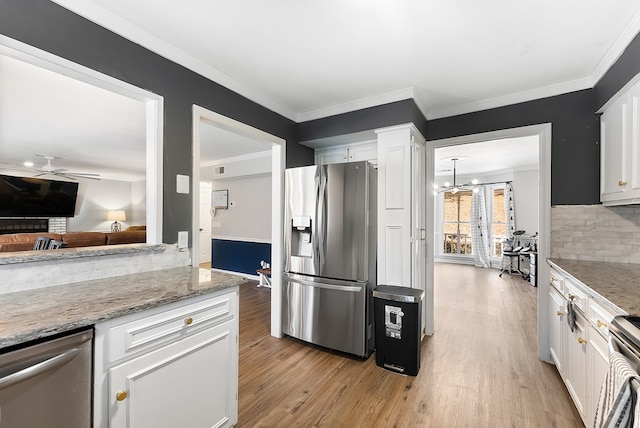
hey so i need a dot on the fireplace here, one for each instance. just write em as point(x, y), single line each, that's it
point(9, 225)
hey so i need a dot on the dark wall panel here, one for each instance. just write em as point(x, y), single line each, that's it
point(575, 153)
point(239, 256)
point(47, 26)
point(366, 119)
point(623, 70)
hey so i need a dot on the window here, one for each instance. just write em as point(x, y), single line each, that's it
point(457, 223)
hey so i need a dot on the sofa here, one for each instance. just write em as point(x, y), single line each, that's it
point(26, 241)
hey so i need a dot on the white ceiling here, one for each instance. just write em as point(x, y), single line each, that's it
point(310, 59)
point(93, 130)
point(477, 159)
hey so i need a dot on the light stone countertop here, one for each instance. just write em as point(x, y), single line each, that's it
point(34, 314)
point(619, 283)
point(10, 258)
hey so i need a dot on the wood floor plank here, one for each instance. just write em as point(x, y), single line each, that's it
point(479, 369)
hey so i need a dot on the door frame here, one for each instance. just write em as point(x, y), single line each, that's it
point(543, 132)
point(278, 151)
point(208, 187)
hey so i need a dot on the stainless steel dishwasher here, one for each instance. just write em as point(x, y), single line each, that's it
point(47, 385)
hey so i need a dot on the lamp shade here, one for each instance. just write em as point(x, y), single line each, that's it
point(116, 215)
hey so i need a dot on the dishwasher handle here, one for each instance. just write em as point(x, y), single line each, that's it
point(41, 367)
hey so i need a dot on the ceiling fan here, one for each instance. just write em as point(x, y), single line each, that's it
point(49, 169)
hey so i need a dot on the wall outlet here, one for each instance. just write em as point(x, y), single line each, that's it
point(183, 239)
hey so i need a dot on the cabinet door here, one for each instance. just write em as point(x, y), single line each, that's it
point(613, 146)
point(331, 155)
point(394, 207)
point(190, 383)
point(633, 155)
point(557, 325)
point(597, 367)
point(363, 152)
point(576, 363)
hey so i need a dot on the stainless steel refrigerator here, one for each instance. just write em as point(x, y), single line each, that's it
point(330, 255)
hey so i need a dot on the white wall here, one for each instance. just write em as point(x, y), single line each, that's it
point(96, 197)
point(250, 217)
point(138, 204)
point(239, 166)
point(525, 191)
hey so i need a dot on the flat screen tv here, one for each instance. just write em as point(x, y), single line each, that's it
point(36, 197)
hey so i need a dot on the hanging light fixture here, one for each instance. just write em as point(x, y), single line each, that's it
point(455, 187)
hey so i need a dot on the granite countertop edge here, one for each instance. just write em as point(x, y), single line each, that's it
point(17, 257)
point(36, 314)
point(613, 285)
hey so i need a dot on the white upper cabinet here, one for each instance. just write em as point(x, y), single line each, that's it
point(355, 152)
point(620, 150)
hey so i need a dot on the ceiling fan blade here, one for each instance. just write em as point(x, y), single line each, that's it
point(73, 176)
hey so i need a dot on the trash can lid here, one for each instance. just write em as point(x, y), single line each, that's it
point(398, 294)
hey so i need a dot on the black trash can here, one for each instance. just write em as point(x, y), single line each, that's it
point(398, 325)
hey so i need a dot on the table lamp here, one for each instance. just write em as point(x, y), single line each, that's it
point(116, 216)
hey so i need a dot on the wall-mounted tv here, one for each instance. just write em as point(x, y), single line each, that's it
point(36, 197)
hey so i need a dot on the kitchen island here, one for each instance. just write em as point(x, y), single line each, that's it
point(154, 332)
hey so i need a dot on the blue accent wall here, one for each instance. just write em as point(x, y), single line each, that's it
point(239, 256)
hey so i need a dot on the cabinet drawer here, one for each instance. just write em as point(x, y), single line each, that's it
point(600, 318)
point(152, 331)
point(580, 298)
point(557, 281)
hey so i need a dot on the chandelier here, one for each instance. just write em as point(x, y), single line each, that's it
point(455, 187)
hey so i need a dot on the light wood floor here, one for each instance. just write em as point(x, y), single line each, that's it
point(479, 369)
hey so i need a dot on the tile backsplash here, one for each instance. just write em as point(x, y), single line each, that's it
point(596, 233)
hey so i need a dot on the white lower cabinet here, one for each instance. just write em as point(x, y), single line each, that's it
point(575, 368)
point(169, 367)
point(597, 366)
point(582, 355)
point(557, 325)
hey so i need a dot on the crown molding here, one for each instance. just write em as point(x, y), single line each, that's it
point(519, 97)
point(128, 30)
point(362, 103)
point(629, 32)
point(241, 158)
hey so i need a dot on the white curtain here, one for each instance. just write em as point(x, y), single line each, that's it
point(479, 229)
point(509, 210)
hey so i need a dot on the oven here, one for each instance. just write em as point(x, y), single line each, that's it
point(618, 400)
point(624, 338)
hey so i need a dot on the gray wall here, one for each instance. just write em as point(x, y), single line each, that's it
point(625, 68)
point(575, 132)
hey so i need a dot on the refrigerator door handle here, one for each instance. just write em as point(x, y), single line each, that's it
point(331, 284)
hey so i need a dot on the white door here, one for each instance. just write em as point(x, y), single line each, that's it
point(205, 223)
